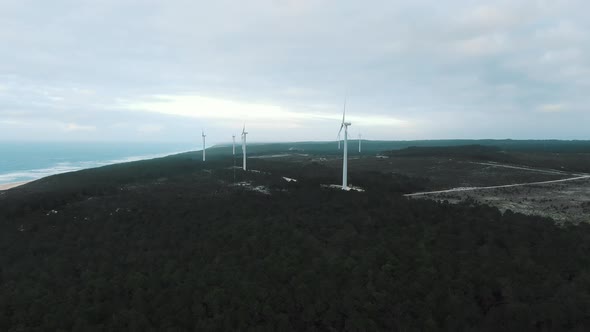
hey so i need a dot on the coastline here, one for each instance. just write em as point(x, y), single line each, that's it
point(11, 178)
point(7, 186)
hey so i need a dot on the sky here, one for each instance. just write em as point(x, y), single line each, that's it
point(145, 70)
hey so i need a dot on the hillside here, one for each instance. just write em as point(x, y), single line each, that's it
point(179, 244)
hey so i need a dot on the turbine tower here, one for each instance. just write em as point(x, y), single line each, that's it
point(203, 134)
point(360, 143)
point(244, 133)
point(344, 125)
point(233, 137)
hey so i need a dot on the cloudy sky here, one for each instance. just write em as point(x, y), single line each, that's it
point(135, 70)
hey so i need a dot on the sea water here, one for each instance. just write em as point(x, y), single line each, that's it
point(27, 161)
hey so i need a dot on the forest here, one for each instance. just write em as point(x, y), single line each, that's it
point(174, 244)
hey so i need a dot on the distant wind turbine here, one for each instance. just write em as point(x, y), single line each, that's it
point(233, 137)
point(360, 143)
point(203, 134)
point(344, 125)
point(244, 133)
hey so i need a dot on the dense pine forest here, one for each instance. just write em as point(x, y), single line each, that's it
point(175, 244)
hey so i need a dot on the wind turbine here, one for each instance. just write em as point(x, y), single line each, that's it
point(344, 125)
point(233, 137)
point(203, 134)
point(244, 133)
point(360, 143)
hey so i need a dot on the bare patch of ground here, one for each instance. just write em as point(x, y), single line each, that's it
point(250, 186)
point(7, 186)
point(562, 201)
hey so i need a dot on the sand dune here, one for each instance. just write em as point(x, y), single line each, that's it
point(7, 186)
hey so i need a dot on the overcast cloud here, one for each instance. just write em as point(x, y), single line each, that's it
point(162, 70)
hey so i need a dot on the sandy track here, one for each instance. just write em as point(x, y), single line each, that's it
point(497, 187)
point(547, 171)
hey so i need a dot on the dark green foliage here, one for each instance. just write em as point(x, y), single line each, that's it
point(171, 245)
point(573, 157)
point(476, 152)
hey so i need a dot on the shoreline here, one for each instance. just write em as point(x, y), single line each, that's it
point(7, 186)
point(41, 173)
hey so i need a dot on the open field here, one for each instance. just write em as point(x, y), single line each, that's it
point(557, 187)
point(562, 201)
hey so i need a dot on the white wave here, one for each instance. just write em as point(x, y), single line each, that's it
point(66, 166)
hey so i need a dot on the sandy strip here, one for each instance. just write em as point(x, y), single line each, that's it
point(497, 187)
point(7, 186)
point(548, 171)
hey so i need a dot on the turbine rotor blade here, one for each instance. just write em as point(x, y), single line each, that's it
point(344, 111)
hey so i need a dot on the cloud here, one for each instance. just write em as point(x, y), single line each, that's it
point(12, 122)
point(483, 45)
point(561, 56)
point(200, 107)
point(78, 127)
point(419, 69)
point(149, 129)
point(487, 17)
point(206, 107)
point(553, 108)
point(560, 33)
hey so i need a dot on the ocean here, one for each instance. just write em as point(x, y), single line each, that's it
point(26, 161)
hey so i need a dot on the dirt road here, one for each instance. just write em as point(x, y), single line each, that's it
point(497, 187)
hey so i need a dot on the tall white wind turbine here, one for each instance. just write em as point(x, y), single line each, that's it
point(344, 125)
point(244, 133)
point(203, 134)
point(233, 137)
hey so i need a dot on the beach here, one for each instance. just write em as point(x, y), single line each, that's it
point(7, 186)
